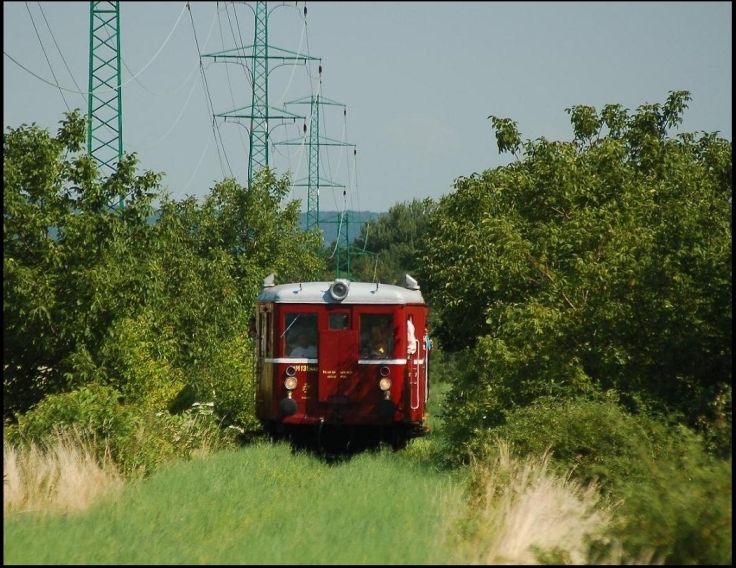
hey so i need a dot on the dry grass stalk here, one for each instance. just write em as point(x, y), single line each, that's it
point(63, 477)
point(522, 506)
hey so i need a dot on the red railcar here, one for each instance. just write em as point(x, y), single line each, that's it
point(347, 354)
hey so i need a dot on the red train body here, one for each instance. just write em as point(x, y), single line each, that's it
point(342, 354)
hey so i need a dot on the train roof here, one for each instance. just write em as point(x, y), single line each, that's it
point(357, 293)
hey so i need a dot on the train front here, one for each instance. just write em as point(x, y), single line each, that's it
point(342, 353)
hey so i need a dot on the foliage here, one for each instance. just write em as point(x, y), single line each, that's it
point(393, 238)
point(595, 264)
point(152, 304)
point(95, 410)
point(681, 507)
point(64, 248)
point(137, 441)
point(602, 441)
point(671, 498)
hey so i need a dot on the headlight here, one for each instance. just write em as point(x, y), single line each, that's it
point(290, 371)
point(384, 384)
point(384, 371)
point(290, 383)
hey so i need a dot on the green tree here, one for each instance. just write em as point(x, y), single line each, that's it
point(599, 263)
point(152, 303)
point(393, 238)
point(67, 261)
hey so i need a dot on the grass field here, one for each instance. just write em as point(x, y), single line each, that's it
point(257, 505)
point(269, 504)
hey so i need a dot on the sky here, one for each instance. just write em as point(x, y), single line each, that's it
point(418, 81)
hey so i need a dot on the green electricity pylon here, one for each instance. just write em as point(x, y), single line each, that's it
point(105, 107)
point(345, 252)
point(314, 180)
point(259, 112)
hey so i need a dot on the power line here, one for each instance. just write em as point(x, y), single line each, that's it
point(160, 49)
point(46, 56)
point(56, 84)
point(242, 43)
point(188, 76)
point(176, 121)
point(59, 49)
point(211, 107)
point(53, 84)
point(227, 73)
point(199, 163)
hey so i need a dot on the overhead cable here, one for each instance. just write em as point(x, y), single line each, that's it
point(56, 84)
point(40, 7)
point(46, 56)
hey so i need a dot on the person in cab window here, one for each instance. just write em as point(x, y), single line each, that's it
point(304, 347)
point(380, 343)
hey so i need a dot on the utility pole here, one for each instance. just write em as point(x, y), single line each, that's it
point(260, 53)
point(105, 107)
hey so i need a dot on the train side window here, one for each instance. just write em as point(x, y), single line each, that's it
point(339, 320)
point(376, 336)
point(300, 334)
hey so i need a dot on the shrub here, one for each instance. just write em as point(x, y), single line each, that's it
point(226, 377)
point(598, 437)
point(604, 262)
point(137, 361)
point(681, 505)
point(674, 498)
point(137, 440)
point(93, 409)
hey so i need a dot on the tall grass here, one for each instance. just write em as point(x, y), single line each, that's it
point(62, 476)
point(260, 504)
point(263, 504)
point(521, 509)
point(521, 512)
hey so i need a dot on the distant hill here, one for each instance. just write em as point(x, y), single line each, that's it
point(330, 221)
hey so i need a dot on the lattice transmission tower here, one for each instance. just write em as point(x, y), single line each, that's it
point(259, 113)
point(105, 105)
point(315, 180)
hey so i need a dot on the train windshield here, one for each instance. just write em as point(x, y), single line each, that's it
point(300, 335)
point(376, 336)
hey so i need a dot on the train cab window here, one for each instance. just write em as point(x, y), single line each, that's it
point(339, 320)
point(300, 335)
point(376, 336)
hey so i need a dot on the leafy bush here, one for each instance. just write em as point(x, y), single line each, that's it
point(138, 441)
point(162, 438)
point(674, 498)
point(93, 410)
point(602, 441)
point(137, 362)
point(593, 264)
point(226, 377)
point(681, 507)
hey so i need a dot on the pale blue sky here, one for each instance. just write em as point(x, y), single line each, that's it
point(418, 80)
